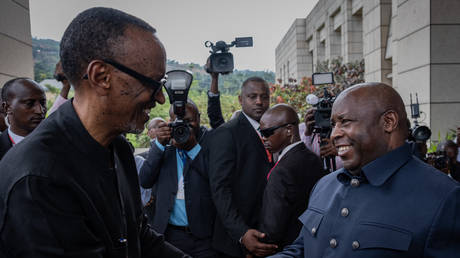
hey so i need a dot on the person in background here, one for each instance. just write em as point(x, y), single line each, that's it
point(24, 102)
point(74, 191)
point(152, 128)
point(238, 168)
point(453, 166)
point(64, 93)
point(292, 178)
point(180, 170)
point(312, 141)
point(384, 202)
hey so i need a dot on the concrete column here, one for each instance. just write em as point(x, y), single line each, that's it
point(376, 18)
point(15, 40)
point(352, 33)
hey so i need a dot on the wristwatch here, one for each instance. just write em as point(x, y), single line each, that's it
point(211, 95)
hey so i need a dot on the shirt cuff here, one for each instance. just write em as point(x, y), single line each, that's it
point(159, 145)
point(194, 151)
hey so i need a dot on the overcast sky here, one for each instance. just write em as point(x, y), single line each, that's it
point(184, 25)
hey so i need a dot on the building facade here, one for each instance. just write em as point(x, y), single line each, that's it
point(16, 58)
point(409, 44)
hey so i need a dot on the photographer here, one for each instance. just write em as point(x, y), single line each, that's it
point(180, 170)
point(453, 166)
point(313, 141)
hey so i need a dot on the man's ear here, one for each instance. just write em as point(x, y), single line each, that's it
point(99, 75)
point(239, 99)
point(390, 121)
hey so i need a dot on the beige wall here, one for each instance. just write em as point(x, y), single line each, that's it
point(412, 45)
point(15, 40)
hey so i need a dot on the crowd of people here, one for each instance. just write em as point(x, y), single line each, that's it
point(256, 185)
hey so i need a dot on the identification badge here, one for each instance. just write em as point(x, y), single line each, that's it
point(180, 190)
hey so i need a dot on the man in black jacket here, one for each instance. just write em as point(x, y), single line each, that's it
point(71, 188)
point(24, 102)
point(290, 180)
point(180, 170)
point(238, 167)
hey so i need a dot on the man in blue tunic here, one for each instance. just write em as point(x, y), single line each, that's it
point(384, 202)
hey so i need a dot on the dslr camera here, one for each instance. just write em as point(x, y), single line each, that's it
point(177, 86)
point(221, 61)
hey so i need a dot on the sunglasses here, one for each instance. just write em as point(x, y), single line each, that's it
point(149, 82)
point(267, 132)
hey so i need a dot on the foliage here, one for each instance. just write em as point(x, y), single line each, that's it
point(435, 145)
point(46, 55)
point(294, 93)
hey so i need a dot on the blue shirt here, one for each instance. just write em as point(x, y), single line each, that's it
point(399, 207)
point(179, 214)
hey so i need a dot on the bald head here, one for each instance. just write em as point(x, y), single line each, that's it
point(369, 121)
point(282, 114)
point(279, 127)
point(380, 97)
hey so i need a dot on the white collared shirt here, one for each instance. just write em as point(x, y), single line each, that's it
point(289, 147)
point(16, 138)
point(253, 122)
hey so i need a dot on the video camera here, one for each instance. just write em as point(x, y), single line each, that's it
point(177, 86)
point(323, 105)
point(221, 61)
point(418, 133)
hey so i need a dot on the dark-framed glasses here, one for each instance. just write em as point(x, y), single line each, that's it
point(267, 132)
point(151, 83)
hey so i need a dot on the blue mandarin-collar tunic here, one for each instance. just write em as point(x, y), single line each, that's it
point(398, 207)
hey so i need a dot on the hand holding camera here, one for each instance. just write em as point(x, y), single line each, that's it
point(163, 133)
point(309, 119)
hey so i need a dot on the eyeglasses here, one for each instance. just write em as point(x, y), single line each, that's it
point(151, 83)
point(267, 132)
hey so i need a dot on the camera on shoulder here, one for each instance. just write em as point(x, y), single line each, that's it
point(177, 86)
point(221, 60)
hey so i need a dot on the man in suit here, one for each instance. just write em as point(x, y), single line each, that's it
point(291, 179)
point(184, 211)
point(238, 165)
point(71, 189)
point(384, 202)
point(24, 102)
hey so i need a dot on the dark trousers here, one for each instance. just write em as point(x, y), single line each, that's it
point(188, 243)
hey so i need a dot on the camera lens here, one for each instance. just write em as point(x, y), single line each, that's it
point(181, 133)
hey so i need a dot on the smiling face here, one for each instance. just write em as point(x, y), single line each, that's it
point(358, 132)
point(131, 99)
point(26, 108)
point(255, 99)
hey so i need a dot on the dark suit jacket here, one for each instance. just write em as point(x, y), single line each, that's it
point(62, 199)
point(5, 143)
point(286, 194)
point(238, 168)
point(160, 169)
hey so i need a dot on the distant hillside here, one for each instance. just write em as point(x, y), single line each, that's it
point(46, 55)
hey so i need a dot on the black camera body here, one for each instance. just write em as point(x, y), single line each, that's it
point(418, 133)
point(221, 61)
point(177, 86)
point(323, 115)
